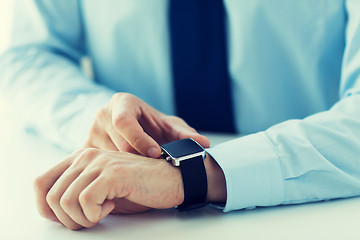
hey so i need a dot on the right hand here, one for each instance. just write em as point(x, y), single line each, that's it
point(128, 124)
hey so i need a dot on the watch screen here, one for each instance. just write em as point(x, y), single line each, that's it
point(182, 148)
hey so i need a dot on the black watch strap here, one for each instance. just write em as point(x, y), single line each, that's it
point(195, 183)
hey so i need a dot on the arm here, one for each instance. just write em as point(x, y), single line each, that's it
point(41, 76)
point(299, 161)
point(42, 79)
point(296, 161)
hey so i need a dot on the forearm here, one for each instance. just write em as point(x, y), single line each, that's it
point(296, 161)
point(216, 181)
point(40, 76)
point(319, 155)
point(50, 93)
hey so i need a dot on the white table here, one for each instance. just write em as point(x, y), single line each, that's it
point(23, 157)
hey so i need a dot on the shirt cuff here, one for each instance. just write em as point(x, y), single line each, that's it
point(252, 172)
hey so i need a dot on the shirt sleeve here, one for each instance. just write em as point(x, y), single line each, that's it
point(40, 72)
point(298, 161)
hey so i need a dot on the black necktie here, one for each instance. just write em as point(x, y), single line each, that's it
point(199, 64)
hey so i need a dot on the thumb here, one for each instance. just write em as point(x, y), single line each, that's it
point(106, 208)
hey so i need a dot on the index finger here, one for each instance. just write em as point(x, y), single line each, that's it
point(126, 121)
point(133, 133)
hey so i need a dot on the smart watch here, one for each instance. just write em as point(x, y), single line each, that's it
point(189, 156)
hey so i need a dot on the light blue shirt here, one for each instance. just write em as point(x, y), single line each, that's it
point(295, 72)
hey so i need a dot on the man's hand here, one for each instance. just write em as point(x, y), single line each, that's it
point(128, 124)
point(83, 189)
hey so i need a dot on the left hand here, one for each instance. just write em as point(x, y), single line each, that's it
point(128, 124)
point(82, 189)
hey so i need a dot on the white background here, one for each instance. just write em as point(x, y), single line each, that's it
point(5, 21)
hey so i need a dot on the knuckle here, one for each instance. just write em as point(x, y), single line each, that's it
point(100, 114)
point(122, 120)
point(66, 203)
point(88, 154)
point(84, 199)
point(51, 199)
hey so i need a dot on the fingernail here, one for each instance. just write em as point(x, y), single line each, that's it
point(152, 152)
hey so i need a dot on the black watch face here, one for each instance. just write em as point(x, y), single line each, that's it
point(182, 148)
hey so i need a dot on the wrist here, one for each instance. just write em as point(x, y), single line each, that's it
point(216, 181)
